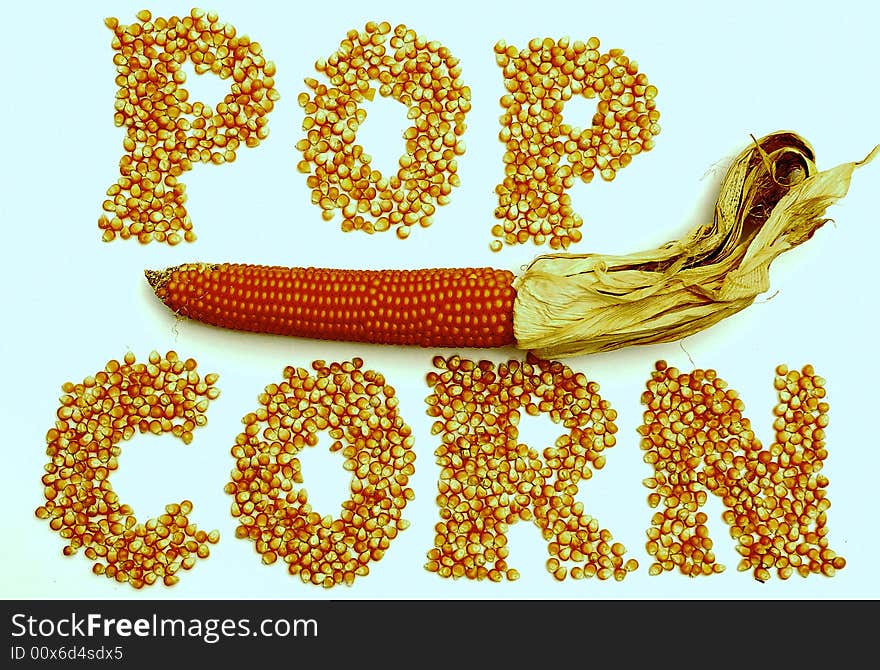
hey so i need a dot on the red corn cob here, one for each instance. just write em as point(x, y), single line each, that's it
point(439, 307)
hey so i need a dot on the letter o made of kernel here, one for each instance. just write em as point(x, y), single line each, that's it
point(421, 74)
point(546, 153)
point(165, 395)
point(359, 411)
point(165, 132)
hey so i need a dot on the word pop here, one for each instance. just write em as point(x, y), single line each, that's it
point(167, 133)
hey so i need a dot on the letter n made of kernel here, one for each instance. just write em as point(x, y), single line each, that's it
point(697, 439)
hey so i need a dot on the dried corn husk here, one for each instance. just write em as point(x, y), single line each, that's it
point(772, 199)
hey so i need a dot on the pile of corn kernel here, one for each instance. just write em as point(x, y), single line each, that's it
point(546, 152)
point(488, 480)
point(165, 132)
point(698, 441)
point(421, 74)
point(360, 412)
point(163, 395)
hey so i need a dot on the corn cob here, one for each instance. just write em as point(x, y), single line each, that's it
point(772, 199)
point(454, 307)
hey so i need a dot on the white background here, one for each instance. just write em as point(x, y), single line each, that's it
point(723, 71)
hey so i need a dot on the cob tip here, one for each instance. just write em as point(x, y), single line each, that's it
point(157, 278)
